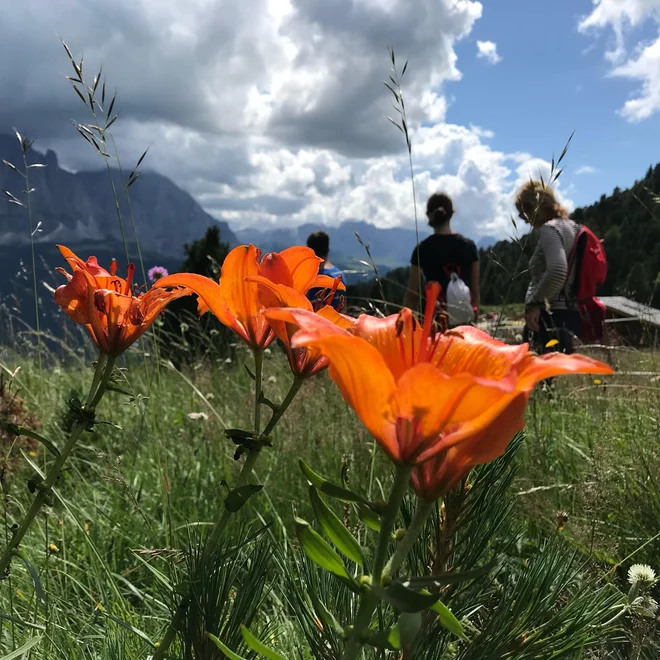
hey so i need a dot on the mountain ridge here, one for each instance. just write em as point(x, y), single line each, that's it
point(390, 247)
point(76, 207)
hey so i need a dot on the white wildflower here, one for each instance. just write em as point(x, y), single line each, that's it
point(641, 574)
point(198, 415)
point(645, 606)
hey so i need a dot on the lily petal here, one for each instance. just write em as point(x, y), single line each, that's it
point(423, 403)
point(397, 337)
point(209, 294)
point(326, 282)
point(303, 265)
point(275, 268)
point(534, 369)
point(364, 380)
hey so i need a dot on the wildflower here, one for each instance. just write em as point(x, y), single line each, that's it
point(641, 574)
point(53, 548)
point(235, 300)
point(597, 381)
point(198, 415)
point(645, 605)
point(32, 453)
point(441, 402)
point(156, 273)
point(113, 312)
point(304, 361)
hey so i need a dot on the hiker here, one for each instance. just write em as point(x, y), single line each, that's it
point(450, 259)
point(551, 311)
point(319, 241)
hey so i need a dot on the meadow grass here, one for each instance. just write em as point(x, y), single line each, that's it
point(138, 491)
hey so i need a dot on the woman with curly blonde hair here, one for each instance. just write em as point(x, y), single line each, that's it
point(551, 312)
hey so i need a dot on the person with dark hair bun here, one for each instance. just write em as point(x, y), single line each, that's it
point(443, 255)
point(319, 241)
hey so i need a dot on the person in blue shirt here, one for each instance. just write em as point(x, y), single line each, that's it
point(319, 241)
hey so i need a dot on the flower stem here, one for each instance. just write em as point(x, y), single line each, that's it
point(389, 519)
point(416, 527)
point(369, 599)
point(282, 408)
point(250, 461)
point(258, 388)
point(101, 375)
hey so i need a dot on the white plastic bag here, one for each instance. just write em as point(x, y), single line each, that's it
point(459, 302)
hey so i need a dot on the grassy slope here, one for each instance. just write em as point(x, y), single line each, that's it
point(594, 447)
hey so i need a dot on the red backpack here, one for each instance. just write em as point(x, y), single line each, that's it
point(588, 257)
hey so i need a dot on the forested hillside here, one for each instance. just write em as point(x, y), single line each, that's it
point(627, 220)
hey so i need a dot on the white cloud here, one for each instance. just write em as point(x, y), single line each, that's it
point(620, 15)
point(645, 68)
point(585, 169)
point(487, 50)
point(643, 65)
point(268, 111)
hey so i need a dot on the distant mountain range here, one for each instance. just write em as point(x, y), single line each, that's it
point(78, 210)
point(79, 207)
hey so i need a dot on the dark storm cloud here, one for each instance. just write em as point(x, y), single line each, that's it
point(187, 64)
point(346, 40)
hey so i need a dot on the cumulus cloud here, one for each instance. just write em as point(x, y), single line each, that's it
point(487, 50)
point(645, 67)
point(643, 64)
point(267, 111)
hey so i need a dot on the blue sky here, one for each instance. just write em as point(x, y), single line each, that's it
point(551, 80)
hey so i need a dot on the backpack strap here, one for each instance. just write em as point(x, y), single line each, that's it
point(571, 259)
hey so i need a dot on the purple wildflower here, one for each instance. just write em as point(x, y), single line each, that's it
point(157, 272)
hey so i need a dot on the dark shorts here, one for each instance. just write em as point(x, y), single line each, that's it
point(562, 324)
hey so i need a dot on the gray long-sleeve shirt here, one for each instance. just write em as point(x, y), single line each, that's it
point(548, 265)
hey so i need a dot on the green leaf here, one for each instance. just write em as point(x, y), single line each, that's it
point(409, 625)
point(136, 631)
point(448, 620)
point(389, 638)
point(327, 487)
point(17, 653)
point(447, 578)
point(368, 516)
point(319, 550)
point(334, 528)
point(255, 645)
point(230, 654)
point(325, 614)
point(239, 496)
point(407, 600)
point(35, 578)
point(15, 429)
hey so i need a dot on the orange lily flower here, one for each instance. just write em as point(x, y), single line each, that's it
point(304, 362)
point(235, 300)
point(422, 393)
point(114, 314)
